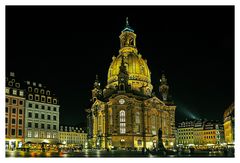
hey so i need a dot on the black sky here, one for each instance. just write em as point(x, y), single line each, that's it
point(64, 47)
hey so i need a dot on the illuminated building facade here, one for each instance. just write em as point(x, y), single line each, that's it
point(126, 113)
point(185, 133)
point(229, 124)
point(200, 133)
point(213, 133)
point(42, 114)
point(72, 136)
point(14, 113)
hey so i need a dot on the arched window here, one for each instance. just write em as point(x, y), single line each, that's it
point(122, 121)
point(100, 124)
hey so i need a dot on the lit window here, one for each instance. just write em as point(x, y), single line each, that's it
point(48, 135)
point(7, 91)
point(137, 118)
point(122, 122)
point(29, 134)
point(36, 134)
point(153, 123)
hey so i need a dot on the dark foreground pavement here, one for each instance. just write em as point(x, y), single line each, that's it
point(103, 153)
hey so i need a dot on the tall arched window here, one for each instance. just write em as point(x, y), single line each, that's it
point(137, 120)
point(122, 121)
point(137, 117)
point(153, 124)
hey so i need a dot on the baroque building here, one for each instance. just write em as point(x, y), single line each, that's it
point(14, 113)
point(126, 113)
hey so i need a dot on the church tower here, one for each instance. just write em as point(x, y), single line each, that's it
point(163, 88)
point(122, 77)
point(96, 92)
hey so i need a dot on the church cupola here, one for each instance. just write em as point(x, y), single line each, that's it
point(127, 37)
point(123, 77)
point(163, 88)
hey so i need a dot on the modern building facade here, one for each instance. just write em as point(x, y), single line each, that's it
point(126, 113)
point(229, 123)
point(42, 114)
point(14, 113)
point(73, 136)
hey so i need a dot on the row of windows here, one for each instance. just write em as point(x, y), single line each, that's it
point(13, 132)
point(20, 121)
point(210, 132)
point(209, 137)
point(36, 90)
point(14, 101)
point(187, 137)
point(42, 116)
point(43, 99)
point(36, 125)
point(14, 92)
point(30, 105)
point(20, 111)
point(41, 134)
point(187, 133)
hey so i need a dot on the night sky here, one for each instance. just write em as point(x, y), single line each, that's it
point(65, 47)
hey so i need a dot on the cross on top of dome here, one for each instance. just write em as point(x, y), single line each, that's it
point(127, 27)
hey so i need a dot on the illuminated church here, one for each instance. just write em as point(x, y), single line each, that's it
point(126, 114)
